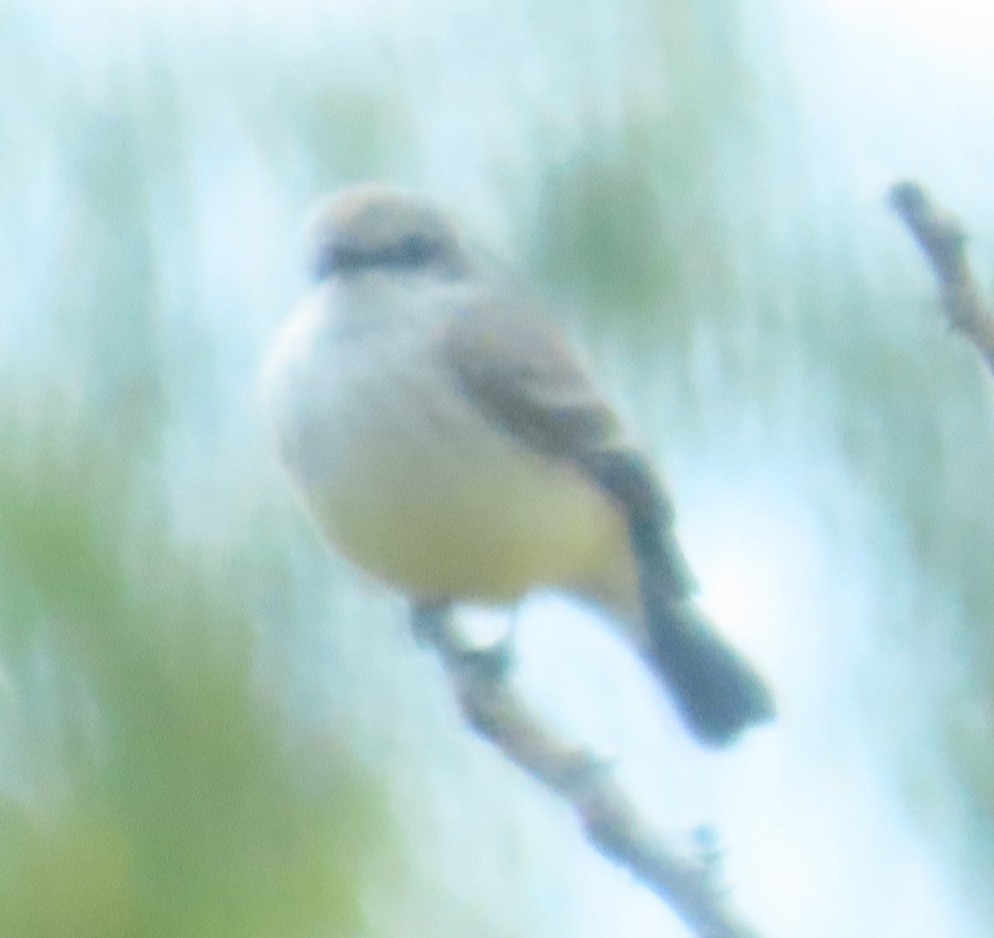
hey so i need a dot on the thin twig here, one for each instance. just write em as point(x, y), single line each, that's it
point(612, 823)
point(943, 239)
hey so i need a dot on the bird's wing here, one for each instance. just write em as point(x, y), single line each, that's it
point(522, 376)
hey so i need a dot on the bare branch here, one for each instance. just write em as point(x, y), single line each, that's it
point(943, 239)
point(612, 823)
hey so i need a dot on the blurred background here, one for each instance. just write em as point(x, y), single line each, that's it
point(209, 726)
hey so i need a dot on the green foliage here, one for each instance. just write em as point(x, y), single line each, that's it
point(633, 221)
point(155, 793)
point(604, 233)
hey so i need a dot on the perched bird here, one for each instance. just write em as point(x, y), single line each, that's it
point(447, 442)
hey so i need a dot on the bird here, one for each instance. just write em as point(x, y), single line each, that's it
point(448, 441)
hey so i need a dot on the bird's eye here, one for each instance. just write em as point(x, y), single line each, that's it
point(416, 249)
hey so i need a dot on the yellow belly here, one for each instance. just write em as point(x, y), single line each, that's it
point(491, 538)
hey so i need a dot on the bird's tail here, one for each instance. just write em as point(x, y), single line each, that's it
point(717, 692)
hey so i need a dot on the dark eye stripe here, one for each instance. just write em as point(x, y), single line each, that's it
point(414, 251)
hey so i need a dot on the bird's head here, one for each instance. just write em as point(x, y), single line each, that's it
point(374, 228)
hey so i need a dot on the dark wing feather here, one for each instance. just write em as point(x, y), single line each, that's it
point(521, 374)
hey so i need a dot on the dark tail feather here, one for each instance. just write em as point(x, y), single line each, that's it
point(716, 691)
